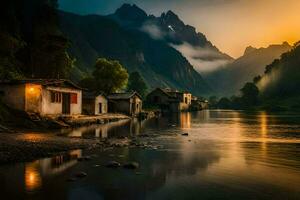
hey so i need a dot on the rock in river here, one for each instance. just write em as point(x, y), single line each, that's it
point(81, 174)
point(131, 165)
point(113, 164)
point(185, 134)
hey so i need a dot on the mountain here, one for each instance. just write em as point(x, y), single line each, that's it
point(232, 77)
point(142, 43)
point(281, 78)
point(168, 27)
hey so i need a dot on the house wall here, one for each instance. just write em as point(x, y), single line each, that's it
point(88, 106)
point(14, 96)
point(122, 106)
point(157, 95)
point(100, 99)
point(33, 98)
point(137, 103)
point(49, 108)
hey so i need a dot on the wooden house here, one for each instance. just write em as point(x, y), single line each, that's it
point(170, 100)
point(94, 103)
point(42, 96)
point(129, 103)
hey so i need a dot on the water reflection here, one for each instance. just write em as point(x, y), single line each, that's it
point(33, 180)
point(113, 129)
point(227, 155)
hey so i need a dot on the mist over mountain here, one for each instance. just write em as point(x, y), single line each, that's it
point(168, 27)
point(228, 80)
point(144, 43)
point(281, 78)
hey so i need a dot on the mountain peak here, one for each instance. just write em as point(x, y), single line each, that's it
point(131, 12)
point(170, 15)
point(249, 49)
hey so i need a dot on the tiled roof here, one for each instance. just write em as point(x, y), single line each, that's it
point(123, 95)
point(91, 94)
point(45, 82)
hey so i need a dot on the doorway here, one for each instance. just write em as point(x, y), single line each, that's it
point(66, 103)
point(100, 108)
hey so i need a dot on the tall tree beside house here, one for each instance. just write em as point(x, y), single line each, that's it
point(109, 76)
point(32, 44)
point(137, 83)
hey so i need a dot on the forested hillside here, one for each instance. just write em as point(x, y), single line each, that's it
point(228, 80)
point(122, 36)
point(281, 79)
point(31, 42)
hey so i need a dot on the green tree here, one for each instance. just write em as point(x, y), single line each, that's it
point(213, 101)
point(250, 94)
point(109, 76)
point(137, 83)
point(224, 103)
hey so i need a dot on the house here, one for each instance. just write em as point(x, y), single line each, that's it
point(198, 104)
point(42, 96)
point(94, 103)
point(170, 100)
point(129, 103)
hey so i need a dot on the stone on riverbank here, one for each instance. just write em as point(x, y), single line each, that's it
point(113, 164)
point(131, 165)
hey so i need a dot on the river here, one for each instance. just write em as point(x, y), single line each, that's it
point(226, 155)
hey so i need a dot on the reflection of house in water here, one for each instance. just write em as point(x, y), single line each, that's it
point(35, 171)
point(113, 129)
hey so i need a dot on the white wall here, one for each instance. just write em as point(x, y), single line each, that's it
point(103, 100)
point(49, 108)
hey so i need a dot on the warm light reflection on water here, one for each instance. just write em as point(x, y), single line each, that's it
point(226, 155)
point(33, 179)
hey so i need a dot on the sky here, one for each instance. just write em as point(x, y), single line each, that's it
point(231, 25)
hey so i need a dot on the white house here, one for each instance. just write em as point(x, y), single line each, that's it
point(43, 96)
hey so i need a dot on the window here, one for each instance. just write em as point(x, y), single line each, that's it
point(55, 97)
point(186, 100)
point(73, 98)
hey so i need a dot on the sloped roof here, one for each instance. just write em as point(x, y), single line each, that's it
point(44, 82)
point(91, 94)
point(123, 95)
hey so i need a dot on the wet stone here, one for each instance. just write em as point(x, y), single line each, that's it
point(81, 174)
point(71, 179)
point(131, 165)
point(113, 164)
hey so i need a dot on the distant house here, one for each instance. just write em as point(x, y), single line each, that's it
point(94, 103)
point(129, 103)
point(198, 104)
point(42, 96)
point(170, 100)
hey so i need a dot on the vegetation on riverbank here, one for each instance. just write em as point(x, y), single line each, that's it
point(276, 90)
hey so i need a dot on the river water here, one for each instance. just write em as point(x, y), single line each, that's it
point(227, 155)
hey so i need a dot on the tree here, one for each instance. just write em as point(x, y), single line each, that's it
point(109, 76)
point(137, 83)
point(224, 103)
point(213, 100)
point(250, 94)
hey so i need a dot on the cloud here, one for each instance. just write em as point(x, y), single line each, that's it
point(204, 59)
point(153, 30)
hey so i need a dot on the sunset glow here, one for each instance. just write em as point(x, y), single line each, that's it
point(229, 24)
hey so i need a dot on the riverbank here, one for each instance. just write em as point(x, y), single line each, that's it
point(23, 147)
